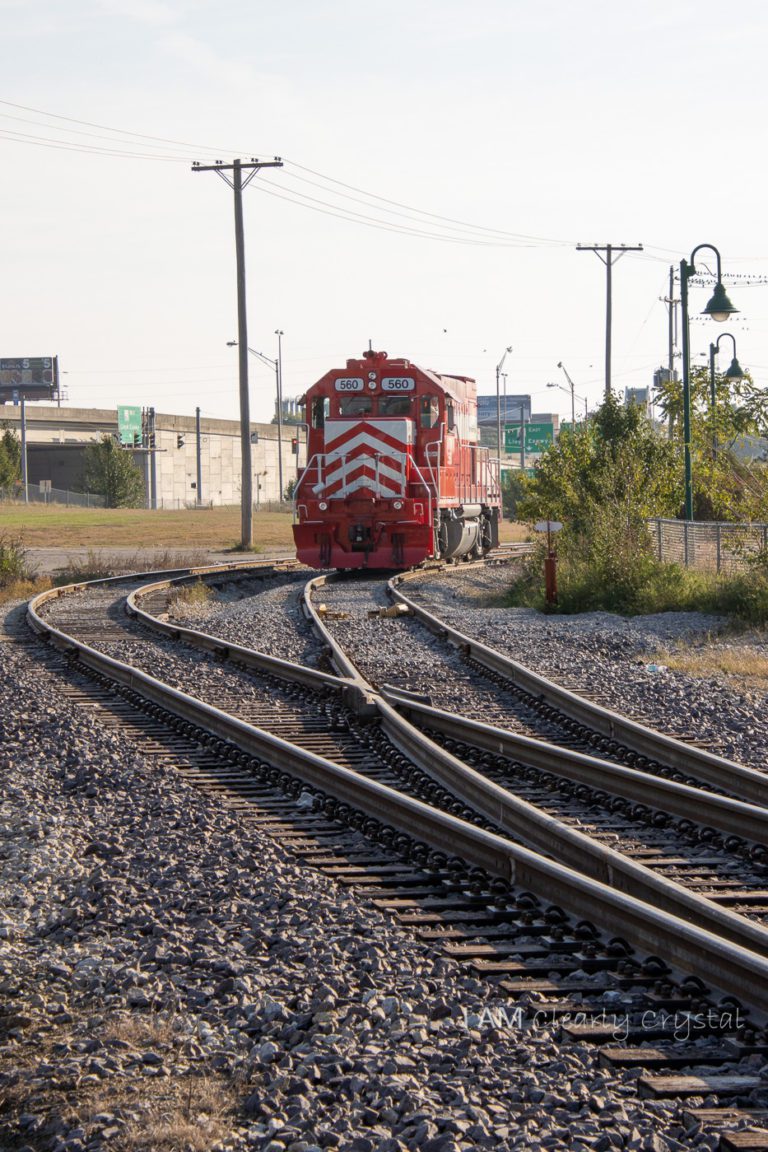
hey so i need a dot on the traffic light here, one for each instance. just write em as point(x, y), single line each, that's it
point(295, 445)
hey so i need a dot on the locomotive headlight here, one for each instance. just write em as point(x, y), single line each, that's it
point(323, 505)
point(397, 505)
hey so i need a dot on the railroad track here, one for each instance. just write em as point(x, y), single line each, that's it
point(455, 880)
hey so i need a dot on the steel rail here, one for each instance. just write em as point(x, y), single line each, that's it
point(542, 832)
point(338, 656)
point(728, 815)
point(349, 688)
point(744, 783)
point(525, 821)
point(729, 967)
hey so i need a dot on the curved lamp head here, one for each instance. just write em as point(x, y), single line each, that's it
point(735, 371)
point(719, 307)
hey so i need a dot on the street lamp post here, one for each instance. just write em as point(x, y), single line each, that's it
point(573, 393)
point(499, 367)
point(275, 366)
point(574, 397)
point(719, 308)
point(734, 372)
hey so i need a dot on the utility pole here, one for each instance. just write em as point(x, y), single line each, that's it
point(613, 252)
point(152, 458)
point(199, 456)
point(24, 469)
point(237, 184)
point(279, 333)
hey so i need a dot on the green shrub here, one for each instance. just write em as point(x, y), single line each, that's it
point(586, 585)
point(14, 567)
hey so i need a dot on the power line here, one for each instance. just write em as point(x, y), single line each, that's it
point(422, 212)
point(518, 238)
point(84, 149)
point(120, 131)
point(371, 222)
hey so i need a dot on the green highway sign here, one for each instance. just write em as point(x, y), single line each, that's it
point(129, 424)
point(538, 437)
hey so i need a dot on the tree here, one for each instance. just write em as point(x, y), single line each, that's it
point(10, 458)
point(602, 480)
point(111, 472)
point(726, 486)
point(615, 459)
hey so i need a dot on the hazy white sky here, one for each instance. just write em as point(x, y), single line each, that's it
point(522, 126)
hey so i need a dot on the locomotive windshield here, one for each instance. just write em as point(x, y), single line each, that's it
point(355, 405)
point(394, 406)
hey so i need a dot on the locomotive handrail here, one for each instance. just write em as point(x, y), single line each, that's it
point(303, 476)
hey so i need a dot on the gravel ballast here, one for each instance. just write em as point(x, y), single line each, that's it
point(170, 977)
point(611, 657)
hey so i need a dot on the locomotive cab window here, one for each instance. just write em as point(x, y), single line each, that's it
point(355, 405)
point(449, 414)
point(429, 411)
point(321, 407)
point(394, 406)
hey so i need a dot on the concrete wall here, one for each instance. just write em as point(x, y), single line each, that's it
point(67, 431)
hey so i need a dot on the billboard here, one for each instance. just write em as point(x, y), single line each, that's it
point(33, 377)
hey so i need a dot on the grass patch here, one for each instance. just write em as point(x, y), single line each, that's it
point(190, 1109)
point(737, 662)
point(190, 1116)
point(219, 528)
point(24, 589)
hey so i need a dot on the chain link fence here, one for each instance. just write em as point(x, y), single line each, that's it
point(44, 494)
point(708, 547)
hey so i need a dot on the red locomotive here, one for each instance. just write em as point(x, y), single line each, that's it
point(395, 474)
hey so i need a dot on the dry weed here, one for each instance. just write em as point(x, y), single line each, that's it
point(741, 661)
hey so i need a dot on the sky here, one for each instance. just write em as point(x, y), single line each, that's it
point(441, 163)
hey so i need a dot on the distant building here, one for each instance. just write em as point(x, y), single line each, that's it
point(511, 408)
point(639, 396)
point(58, 437)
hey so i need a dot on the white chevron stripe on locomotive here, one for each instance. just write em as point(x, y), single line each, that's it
point(345, 476)
point(370, 455)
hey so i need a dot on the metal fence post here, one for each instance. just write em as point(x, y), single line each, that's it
point(718, 543)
